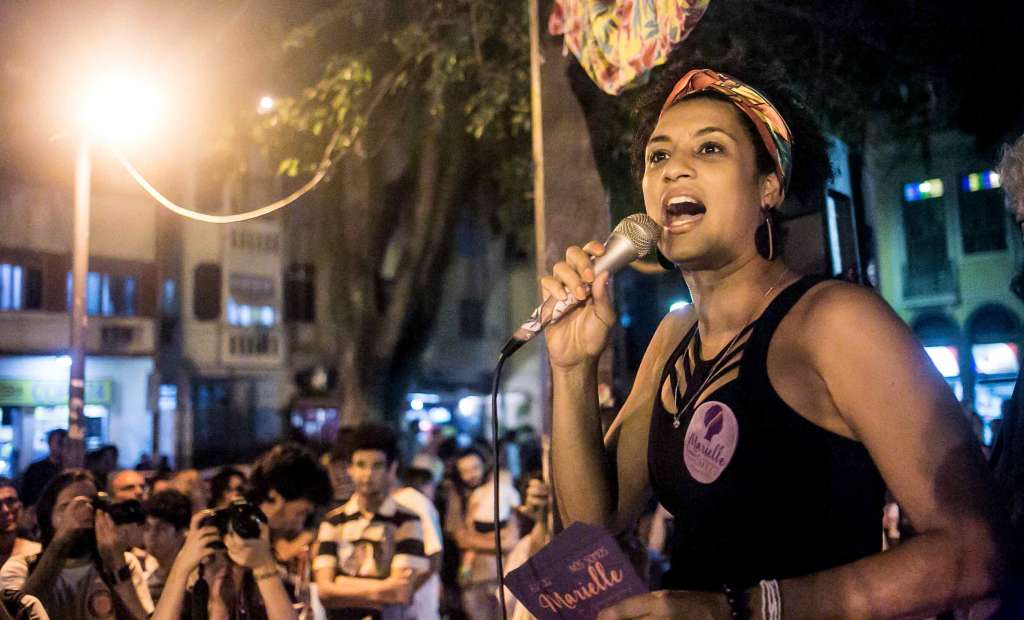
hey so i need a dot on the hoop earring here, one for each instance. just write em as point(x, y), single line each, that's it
point(764, 237)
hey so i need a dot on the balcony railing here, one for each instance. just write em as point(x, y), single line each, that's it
point(252, 346)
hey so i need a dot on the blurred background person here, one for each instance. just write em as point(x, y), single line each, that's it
point(177, 598)
point(286, 485)
point(535, 510)
point(469, 522)
point(41, 472)
point(168, 514)
point(415, 491)
point(370, 549)
point(336, 461)
point(102, 462)
point(83, 571)
point(265, 598)
point(128, 484)
point(191, 483)
point(10, 511)
point(227, 485)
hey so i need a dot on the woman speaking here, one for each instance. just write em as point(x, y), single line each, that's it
point(770, 415)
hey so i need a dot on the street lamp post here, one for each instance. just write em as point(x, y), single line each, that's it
point(117, 107)
point(79, 275)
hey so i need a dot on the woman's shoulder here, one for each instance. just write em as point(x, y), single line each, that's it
point(834, 311)
point(837, 300)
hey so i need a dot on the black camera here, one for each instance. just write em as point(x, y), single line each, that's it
point(121, 513)
point(243, 517)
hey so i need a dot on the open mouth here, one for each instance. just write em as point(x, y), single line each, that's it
point(682, 213)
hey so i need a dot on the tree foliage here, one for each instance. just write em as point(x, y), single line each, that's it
point(428, 104)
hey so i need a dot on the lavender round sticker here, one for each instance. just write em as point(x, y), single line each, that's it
point(710, 441)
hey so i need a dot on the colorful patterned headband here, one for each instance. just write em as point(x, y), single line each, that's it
point(770, 125)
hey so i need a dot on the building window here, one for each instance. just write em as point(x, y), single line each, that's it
point(254, 241)
point(206, 292)
point(106, 294)
point(928, 270)
point(21, 288)
point(932, 188)
point(251, 301)
point(982, 216)
point(245, 315)
point(169, 299)
point(300, 293)
point(11, 286)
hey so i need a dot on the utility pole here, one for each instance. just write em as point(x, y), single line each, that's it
point(75, 454)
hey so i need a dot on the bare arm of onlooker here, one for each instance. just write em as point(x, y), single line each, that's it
point(338, 591)
point(892, 399)
point(256, 554)
point(423, 577)
point(42, 578)
point(195, 550)
point(453, 517)
point(112, 553)
point(469, 539)
point(217, 572)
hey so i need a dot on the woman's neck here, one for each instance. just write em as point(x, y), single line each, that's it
point(727, 299)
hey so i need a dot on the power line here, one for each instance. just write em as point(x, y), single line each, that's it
point(321, 172)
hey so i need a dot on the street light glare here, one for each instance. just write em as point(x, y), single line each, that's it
point(119, 108)
point(266, 104)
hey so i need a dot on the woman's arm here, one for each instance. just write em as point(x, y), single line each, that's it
point(893, 400)
point(607, 482)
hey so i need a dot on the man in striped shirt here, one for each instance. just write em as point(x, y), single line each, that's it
point(370, 550)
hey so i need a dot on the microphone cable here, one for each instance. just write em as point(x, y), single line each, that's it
point(495, 386)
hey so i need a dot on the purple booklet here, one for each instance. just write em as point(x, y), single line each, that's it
point(579, 573)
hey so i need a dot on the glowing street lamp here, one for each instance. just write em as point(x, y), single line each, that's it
point(116, 109)
point(266, 104)
point(119, 108)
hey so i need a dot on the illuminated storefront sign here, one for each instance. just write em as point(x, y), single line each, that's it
point(26, 393)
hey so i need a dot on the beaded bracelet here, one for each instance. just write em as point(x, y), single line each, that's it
point(738, 602)
point(265, 572)
point(771, 600)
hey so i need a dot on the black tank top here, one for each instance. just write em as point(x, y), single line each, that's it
point(756, 490)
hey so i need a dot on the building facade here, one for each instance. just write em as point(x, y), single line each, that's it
point(947, 252)
point(35, 293)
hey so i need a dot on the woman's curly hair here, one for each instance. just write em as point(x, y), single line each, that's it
point(1011, 172)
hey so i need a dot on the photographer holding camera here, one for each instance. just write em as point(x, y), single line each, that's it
point(84, 570)
point(285, 485)
point(250, 553)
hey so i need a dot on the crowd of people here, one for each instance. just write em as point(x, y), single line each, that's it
point(360, 531)
point(772, 424)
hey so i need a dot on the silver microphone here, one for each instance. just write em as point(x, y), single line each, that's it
point(634, 237)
